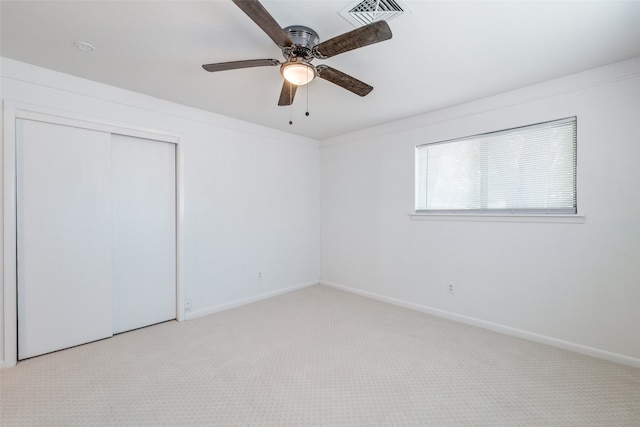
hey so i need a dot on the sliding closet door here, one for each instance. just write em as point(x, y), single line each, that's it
point(144, 232)
point(63, 236)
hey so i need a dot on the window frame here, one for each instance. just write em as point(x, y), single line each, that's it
point(567, 214)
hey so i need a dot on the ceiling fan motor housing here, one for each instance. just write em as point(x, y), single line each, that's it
point(304, 39)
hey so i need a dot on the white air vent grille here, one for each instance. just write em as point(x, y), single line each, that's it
point(368, 11)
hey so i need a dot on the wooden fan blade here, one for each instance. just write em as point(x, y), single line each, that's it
point(259, 15)
point(369, 34)
point(234, 65)
point(287, 93)
point(343, 80)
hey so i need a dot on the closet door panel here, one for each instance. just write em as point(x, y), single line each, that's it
point(144, 232)
point(63, 236)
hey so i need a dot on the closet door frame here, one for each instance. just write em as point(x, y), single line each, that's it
point(14, 111)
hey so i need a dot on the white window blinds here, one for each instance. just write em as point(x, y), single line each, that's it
point(531, 169)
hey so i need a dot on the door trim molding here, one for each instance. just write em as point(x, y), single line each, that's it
point(14, 111)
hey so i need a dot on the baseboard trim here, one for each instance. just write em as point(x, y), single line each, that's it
point(238, 303)
point(496, 327)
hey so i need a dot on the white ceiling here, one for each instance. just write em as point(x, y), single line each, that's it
point(458, 51)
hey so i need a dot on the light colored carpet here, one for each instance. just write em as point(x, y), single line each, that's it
point(318, 357)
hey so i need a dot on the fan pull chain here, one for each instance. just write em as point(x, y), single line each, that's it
point(307, 113)
point(290, 104)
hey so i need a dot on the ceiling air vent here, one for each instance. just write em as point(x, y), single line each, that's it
point(368, 11)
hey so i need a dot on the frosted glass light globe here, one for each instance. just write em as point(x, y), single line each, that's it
point(298, 73)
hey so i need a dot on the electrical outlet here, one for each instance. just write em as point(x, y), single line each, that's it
point(259, 275)
point(450, 288)
point(187, 304)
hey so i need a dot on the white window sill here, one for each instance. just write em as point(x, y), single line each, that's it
point(564, 219)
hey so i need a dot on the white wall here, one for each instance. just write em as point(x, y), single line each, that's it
point(572, 285)
point(251, 194)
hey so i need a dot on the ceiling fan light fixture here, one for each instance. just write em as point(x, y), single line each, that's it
point(298, 73)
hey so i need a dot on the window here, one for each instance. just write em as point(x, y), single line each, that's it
point(526, 170)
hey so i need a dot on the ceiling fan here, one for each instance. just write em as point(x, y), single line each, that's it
point(300, 46)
